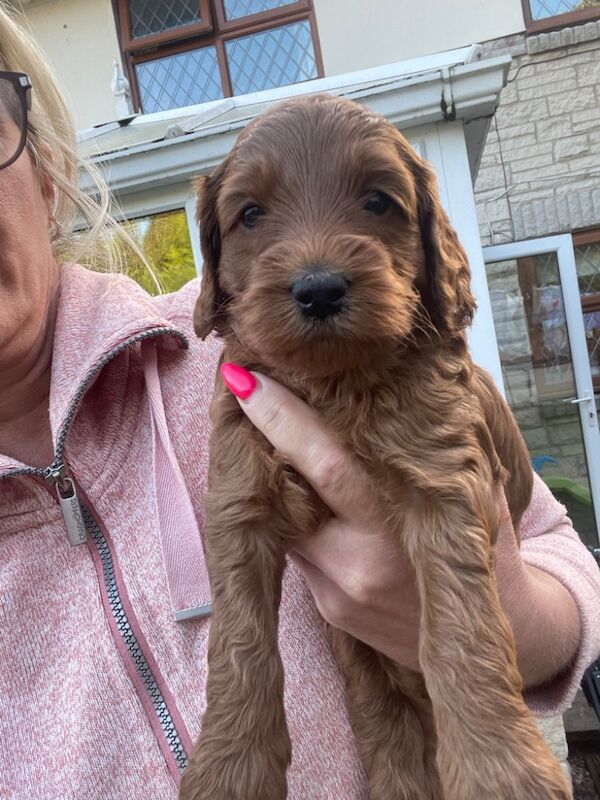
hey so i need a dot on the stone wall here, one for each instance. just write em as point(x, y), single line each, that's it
point(540, 171)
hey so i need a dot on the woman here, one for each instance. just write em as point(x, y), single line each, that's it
point(103, 605)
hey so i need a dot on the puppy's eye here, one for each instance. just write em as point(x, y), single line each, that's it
point(378, 203)
point(250, 216)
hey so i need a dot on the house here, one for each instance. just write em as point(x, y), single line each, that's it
point(191, 70)
point(186, 67)
point(502, 97)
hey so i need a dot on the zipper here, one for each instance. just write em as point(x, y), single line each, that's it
point(129, 639)
point(81, 524)
point(64, 486)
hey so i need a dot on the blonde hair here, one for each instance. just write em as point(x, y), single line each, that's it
point(51, 140)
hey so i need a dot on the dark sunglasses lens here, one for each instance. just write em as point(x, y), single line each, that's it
point(12, 121)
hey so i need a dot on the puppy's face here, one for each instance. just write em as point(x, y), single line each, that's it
point(316, 258)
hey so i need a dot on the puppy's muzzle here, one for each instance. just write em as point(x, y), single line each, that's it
point(320, 294)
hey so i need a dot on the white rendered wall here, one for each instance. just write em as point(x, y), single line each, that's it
point(356, 34)
point(80, 39)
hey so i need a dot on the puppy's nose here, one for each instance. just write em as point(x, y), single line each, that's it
point(320, 294)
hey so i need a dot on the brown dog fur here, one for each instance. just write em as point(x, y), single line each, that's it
point(392, 376)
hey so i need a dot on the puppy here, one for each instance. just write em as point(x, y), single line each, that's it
point(330, 265)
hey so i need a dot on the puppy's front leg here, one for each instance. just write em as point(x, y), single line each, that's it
point(488, 743)
point(244, 747)
point(391, 718)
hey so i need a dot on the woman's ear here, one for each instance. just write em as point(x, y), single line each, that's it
point(446, 294)
point(210, 311)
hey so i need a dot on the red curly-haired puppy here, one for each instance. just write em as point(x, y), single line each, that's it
point(330, 265)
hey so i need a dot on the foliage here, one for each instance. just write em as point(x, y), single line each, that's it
point(164, 240)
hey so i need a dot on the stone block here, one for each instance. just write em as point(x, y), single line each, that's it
point(536, 438)
point(567, 102)
point(588, 125)
point(565, 433)
point(527, 192)
point(510, 94)
point(572, 449)
point(583, 163)
point(495, 211)
point(553, 128)
point(547, 74)
point(519, 146)
point(533, 110)
point(584, 47)
point(490, 178)
point(513, 131)
point(523, 168)
point(528, 417)
point(588, 74)
point(563, 38)
point(549, 89)
point(571, 147)
point(586, 114)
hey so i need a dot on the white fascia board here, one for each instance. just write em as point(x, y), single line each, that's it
point(469, 91)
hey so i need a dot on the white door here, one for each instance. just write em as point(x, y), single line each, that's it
point(537, 317)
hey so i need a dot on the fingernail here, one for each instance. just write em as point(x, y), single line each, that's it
point(238, 380)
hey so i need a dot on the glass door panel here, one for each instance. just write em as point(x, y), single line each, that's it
point(532, 328)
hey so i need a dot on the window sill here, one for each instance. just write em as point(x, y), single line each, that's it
point(565, 37)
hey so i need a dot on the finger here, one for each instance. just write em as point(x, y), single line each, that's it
point(305, 441)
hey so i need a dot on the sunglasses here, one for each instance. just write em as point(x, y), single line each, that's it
point(15, 103)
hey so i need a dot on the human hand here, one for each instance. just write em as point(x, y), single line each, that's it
point(361, 580)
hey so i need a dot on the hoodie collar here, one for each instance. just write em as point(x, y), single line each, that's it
point(98, 316)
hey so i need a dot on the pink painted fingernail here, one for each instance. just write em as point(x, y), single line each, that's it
point(238, 380)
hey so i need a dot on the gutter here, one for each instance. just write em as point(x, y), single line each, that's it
point(468, 92)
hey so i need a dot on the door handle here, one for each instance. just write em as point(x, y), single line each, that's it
point(574, 400)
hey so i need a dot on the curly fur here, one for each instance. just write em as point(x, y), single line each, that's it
point(392, 376)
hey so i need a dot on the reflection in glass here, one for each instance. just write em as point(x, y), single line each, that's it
point(531, 328)
point(155, 16)
point(276, 57)
point(180, 80)
point(234, 9)
point(542, 9)
point(164, 240)
point(591, 322)
point(587, 259)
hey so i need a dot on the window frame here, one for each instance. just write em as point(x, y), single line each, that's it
point(533, 26)
point(224, 25)
point(190, 37)
point(129, 43)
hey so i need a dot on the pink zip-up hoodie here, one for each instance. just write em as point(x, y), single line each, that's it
point(101, 689)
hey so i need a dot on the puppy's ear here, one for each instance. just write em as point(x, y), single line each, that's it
point(210, 311)
point(447, 293)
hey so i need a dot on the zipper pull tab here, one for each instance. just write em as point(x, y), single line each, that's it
point(69, 504)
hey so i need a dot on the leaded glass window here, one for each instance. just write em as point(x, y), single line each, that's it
point(187, 52)
point(234, 9)
point(180, 80)
point(155, 16)
point(276, 57)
